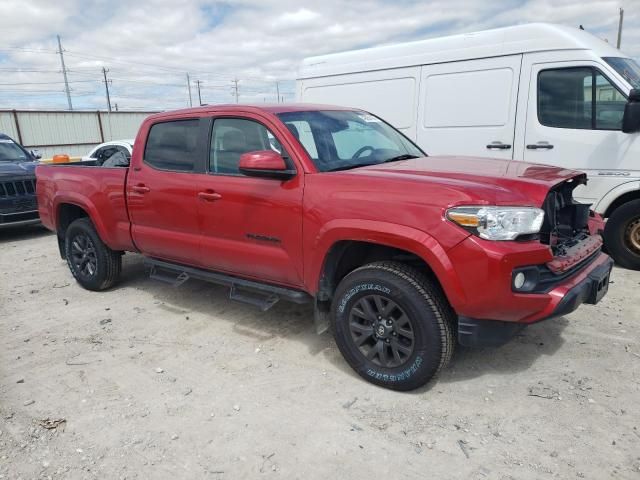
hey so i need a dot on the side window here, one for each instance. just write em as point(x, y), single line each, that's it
point(232, 137)
point(124, 151)
point(173, 145)
point(580, 98)
point(349, 141)
point(105, 152)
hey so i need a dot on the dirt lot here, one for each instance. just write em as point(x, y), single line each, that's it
point(158, 382)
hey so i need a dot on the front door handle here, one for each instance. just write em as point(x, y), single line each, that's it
point(140, 188)
point(209, 196)
point(539, 146)
point(498, 146)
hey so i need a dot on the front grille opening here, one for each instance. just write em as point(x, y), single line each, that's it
point(565, 220)
point(18, 187)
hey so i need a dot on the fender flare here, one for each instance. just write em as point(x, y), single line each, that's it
point(388, 234)
point(612, 195)
point(85, 204)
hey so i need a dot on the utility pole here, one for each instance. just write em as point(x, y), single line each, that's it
point(620, 28)
point(64, 74)
point(198, 82)
point(106, 86)
point(235, 82)
point(189, 88)
point(277, 92)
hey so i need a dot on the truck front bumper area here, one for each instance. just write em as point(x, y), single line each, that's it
point(590, 288)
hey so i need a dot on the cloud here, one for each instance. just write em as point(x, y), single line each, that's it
point(149, 46)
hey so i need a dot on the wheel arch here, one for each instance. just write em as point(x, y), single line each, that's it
point(344, 248)
point(618, 196)
point(67, 211)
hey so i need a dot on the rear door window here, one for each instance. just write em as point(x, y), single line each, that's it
point(173, 145)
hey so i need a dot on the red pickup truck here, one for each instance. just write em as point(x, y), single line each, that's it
point(401, 253)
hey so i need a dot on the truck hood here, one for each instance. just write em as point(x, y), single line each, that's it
point(15, 169)
point(483, 180)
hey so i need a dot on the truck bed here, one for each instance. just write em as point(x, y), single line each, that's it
point(100, 191)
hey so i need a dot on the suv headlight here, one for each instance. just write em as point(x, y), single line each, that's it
point(498, 223)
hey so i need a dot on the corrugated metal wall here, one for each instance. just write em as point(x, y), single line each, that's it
point(73, 133)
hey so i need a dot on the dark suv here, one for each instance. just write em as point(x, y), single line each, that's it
point(17, 184)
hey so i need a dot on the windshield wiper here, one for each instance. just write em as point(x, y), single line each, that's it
point(404, 156)
point(349, 167)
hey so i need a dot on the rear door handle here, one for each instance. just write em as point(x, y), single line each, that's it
point(539, 145)
point(498, 146)
point(209, 196)
point(140, 188)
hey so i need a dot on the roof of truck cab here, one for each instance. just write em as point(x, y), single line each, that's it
point(273, 108)
point(532, 37)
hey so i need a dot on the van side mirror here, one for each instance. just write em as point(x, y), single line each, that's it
point(631, 117)
point(266, 164)
point(36, 154)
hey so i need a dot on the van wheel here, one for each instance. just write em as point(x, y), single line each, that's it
point(94, 265)
point(392, 325)
point(622, 235)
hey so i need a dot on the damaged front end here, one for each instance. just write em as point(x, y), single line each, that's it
point(568, 228)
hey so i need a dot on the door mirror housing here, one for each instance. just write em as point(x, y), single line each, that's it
point(36, 154)
point(631, 117)
point(266, 164)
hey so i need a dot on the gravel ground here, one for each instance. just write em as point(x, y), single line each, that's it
point(149, 381)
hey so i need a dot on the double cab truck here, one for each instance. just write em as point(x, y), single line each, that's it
point(403, 254)
point(17, 184)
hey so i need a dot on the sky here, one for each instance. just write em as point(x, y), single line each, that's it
point(148, 47)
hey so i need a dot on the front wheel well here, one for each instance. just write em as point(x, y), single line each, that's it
point(347, 255)
point(621, 200)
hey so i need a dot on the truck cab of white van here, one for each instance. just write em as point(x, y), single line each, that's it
point(539, 93)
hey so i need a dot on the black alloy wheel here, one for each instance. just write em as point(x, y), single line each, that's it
point(381, 331)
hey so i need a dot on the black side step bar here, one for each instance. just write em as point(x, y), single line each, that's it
point(262, 295)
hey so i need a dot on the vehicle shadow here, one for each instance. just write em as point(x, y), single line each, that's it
point(26, 232)
point(284, 319)
point(295, 322)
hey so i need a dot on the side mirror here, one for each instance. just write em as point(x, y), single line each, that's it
point(265, 163)
point(36, 154)
point(631, 117)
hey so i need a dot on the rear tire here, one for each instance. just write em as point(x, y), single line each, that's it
point(622, 235)
point(94, 265)
point(393, 325)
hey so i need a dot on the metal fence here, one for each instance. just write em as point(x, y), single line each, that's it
point(73, 133)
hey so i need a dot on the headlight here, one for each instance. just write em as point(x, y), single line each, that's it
point(498, 223)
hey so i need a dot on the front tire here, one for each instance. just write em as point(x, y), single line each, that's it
point(94, 265)
point(393, 325)
point(622, 235)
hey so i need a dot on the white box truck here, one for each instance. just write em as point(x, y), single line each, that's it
point(540, 93)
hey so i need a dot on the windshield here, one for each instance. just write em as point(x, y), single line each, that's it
point(344, 139)
point(11, 152)
point(626, 67)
